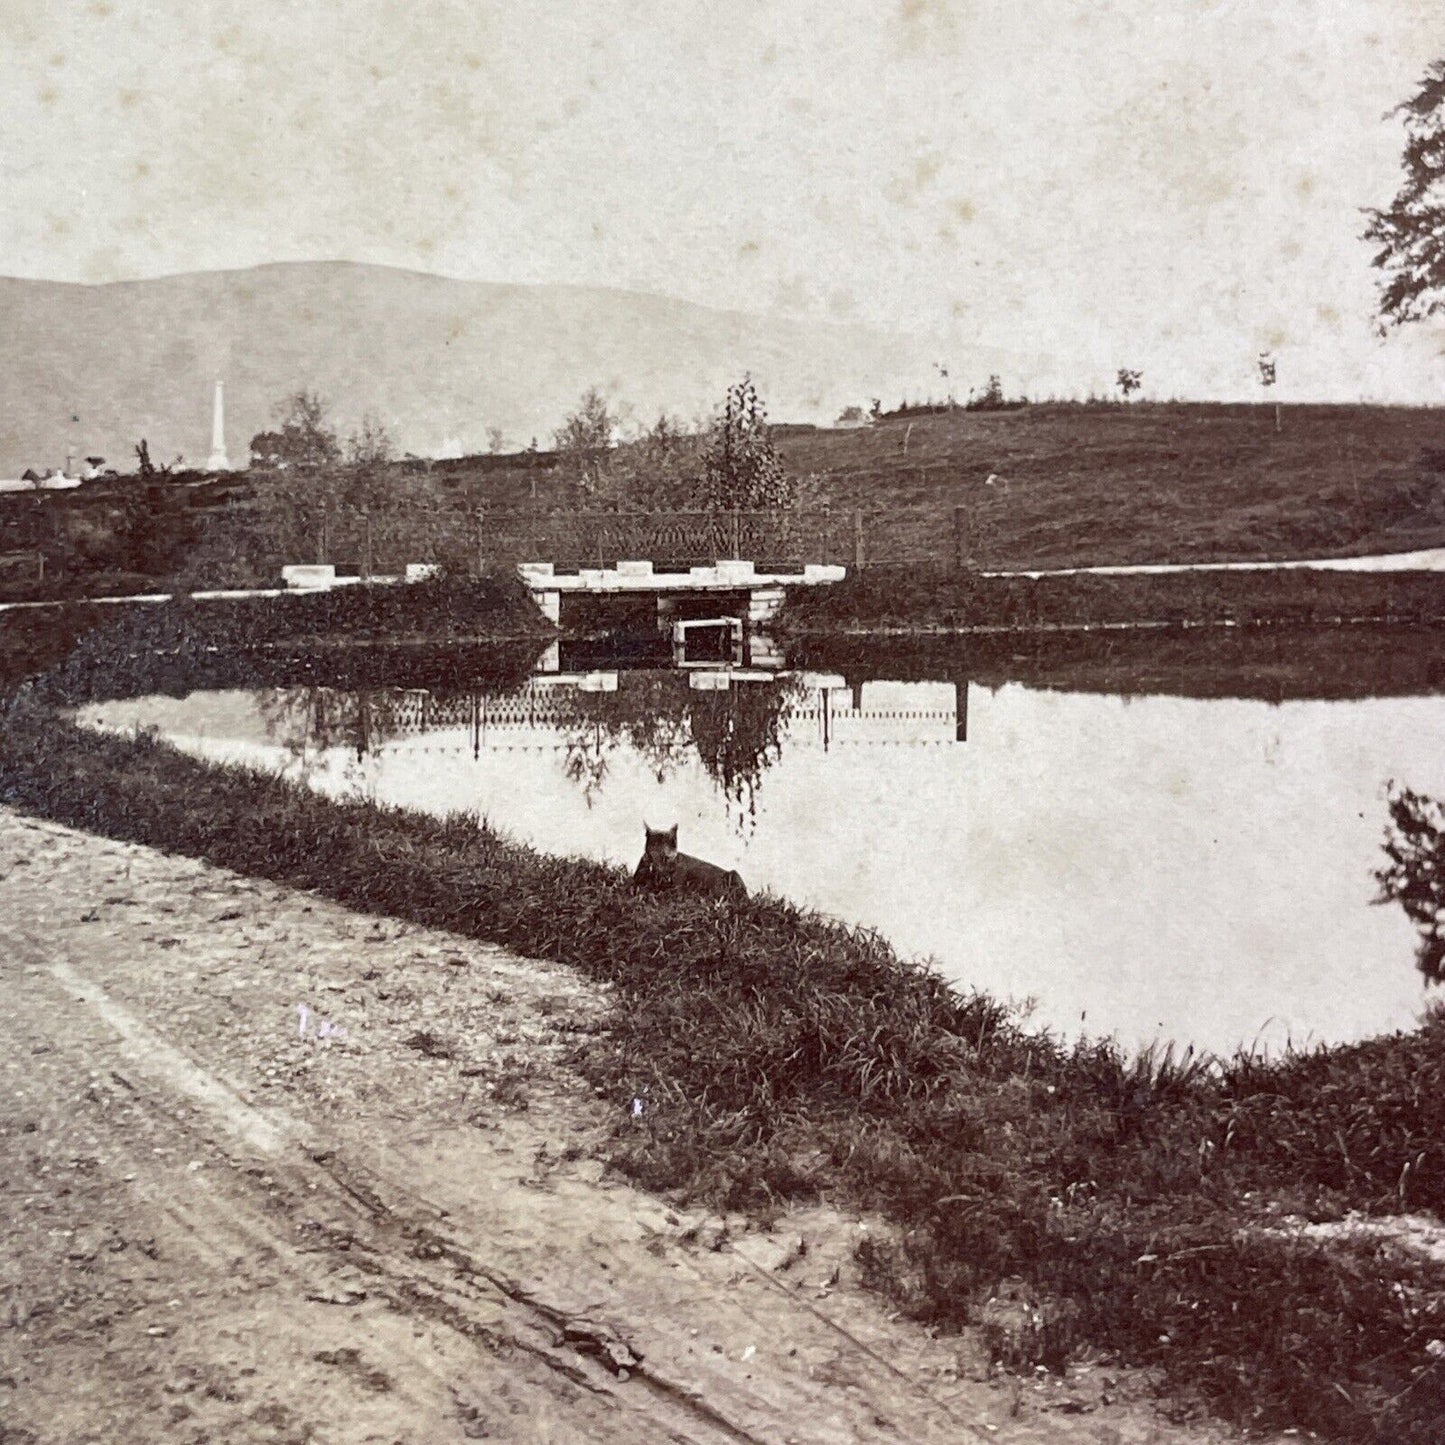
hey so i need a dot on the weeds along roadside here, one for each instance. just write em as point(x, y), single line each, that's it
point(784, 1057)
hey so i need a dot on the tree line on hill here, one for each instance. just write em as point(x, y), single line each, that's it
point(728, 462)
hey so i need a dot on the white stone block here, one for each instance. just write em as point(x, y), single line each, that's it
point(734, 569)
point(535, 569)
point(550, 604)
point(710, 681)
point(309, 576)
point(421, 571)
point(634, 569)
point(815, 572)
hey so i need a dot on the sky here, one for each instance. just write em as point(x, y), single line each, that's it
point(1169, 185)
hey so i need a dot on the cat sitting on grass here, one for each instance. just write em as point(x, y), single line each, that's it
point(662, 866)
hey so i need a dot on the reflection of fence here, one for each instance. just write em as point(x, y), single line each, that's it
point(421, 712)
point(916, 713)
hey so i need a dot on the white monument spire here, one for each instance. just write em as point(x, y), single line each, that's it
point(218, 461)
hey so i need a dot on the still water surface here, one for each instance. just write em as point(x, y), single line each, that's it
point(1149, 867)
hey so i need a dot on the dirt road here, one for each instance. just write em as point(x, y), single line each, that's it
point(273, 1171)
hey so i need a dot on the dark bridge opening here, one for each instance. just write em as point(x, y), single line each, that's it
point(646, 614)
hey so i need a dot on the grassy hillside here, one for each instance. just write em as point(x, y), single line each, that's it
point(1144, 483)
point(1076, 485)
point(1085, 485)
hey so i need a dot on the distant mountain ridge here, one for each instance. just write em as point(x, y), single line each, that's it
point(92, 369)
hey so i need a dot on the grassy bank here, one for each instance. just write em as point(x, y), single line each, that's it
point(446, 631)
point(34, 642)
point(931, 598)
point(782, 1056)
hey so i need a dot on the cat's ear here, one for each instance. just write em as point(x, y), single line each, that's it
point(671, 835)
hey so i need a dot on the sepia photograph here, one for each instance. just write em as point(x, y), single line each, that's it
point(722, 727)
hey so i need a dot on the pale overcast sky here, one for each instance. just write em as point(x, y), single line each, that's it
point(1167, 184)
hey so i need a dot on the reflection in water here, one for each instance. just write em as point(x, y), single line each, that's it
point(1278, 663)
point(664, 718)
point(733, 723)
point(1151, 866)
point(1414, 874)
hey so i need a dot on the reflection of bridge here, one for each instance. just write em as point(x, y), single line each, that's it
point(823, 710)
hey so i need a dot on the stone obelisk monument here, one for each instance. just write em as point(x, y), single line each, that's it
point(218, 461)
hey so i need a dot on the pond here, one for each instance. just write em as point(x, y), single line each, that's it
point(1149, 864)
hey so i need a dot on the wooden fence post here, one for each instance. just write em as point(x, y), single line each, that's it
point(737, 535)
point(479, 534)
point(321, 538)
point(858, 538)
point(962, 548)
point(827, 531)
point(366, 548)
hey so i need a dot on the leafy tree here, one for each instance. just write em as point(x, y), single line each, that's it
point(1129, 381)
point(304, 438)
point(662, 470)
point(658, 471)
point(364, 484)
point(583, 441)
point(496, 440)
point(991, 398)
point(148, 469)
point(589, 428)
point(742, 467)
point(371, 446)
point(1410, 232)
